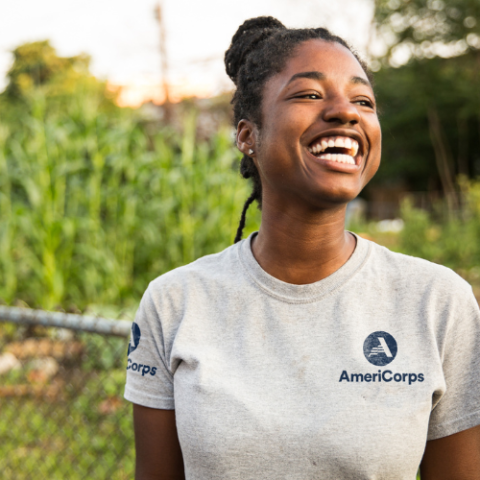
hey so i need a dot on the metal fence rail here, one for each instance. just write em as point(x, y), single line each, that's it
point(86, 323)
point(62, 413)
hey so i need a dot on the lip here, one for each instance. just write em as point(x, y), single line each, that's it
point(338, 132)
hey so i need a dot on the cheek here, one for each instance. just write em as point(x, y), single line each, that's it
point(272, 161)
point(281, 138)
point(378, 130)
point(375, 137)
point(275, 149)
point(375, 151)
point(379, 144)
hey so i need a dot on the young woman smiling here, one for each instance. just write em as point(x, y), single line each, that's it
point(304, 351)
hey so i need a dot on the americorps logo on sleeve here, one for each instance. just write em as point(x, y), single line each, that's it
point(132, 346)
point(134, 339)
point(380, 348)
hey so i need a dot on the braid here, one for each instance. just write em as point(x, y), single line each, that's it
point(260, 48)
point(241, 225)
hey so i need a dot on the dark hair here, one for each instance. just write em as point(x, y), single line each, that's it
point(260, 48)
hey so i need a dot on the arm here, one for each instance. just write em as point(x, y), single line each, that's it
point(158, 453)
point(456, 457)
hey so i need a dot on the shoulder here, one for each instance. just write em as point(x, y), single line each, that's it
point(210, 271)
point(415, 273)
point(188, 290)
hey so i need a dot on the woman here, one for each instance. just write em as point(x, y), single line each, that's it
point(305, 351)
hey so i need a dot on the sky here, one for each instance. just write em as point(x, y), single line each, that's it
point(122, 36)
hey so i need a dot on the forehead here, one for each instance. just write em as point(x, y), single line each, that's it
point(333, 60)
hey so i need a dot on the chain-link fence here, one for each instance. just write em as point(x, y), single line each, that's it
point(62, 413)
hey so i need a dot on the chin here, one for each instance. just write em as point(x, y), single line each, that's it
point(334, 198)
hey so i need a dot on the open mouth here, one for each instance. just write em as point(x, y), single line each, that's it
point(335, 149)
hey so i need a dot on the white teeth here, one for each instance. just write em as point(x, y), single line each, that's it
point(338, 142)
point(338, 157)
point(315, 149)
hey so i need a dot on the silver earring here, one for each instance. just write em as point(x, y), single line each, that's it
point(250, 151)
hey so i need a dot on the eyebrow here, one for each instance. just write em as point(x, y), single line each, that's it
point(360, 80)
point(314, 75)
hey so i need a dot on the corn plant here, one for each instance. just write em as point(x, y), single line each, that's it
point(93, 206)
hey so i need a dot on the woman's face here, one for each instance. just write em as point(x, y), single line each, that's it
point(320, 142)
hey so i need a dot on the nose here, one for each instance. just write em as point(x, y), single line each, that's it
point(341, 111)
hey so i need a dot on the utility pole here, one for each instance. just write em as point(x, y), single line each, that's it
point(164, 62)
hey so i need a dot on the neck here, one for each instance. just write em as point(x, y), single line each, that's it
point(302, 248)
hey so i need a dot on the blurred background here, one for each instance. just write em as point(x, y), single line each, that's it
point(117, 164)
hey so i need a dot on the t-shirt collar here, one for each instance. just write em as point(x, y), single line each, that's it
point(302, 293)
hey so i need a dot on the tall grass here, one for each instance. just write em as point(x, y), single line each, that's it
point(93, 207)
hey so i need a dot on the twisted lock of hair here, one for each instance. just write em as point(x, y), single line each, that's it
point(249, 170)
point(246, 39)
point(241, 225)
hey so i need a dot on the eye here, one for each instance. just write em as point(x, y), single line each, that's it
point(311, 96)
point(364, 102)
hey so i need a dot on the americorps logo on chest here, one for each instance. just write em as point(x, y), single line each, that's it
point(380, 349)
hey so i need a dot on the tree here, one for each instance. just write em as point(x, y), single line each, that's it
point(428, 28)
point(429, 114)
point(37, 67)
point(431, 105)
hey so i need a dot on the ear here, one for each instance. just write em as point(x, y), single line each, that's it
point(246, 137)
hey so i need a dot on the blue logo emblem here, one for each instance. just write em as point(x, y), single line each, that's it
point(135, 338)
point(380, 348)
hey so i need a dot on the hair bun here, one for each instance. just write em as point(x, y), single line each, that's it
point(247, 37)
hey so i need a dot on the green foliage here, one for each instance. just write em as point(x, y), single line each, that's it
point(95, 202)
point(426, 27)
point(447, 239)
point(429, 106)
point(405, 96)
point(93, 207)
point(37, 65)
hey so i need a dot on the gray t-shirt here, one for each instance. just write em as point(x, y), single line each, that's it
point(345, 378)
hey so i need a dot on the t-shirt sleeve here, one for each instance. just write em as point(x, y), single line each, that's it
point(149, 380)
point(459, 407)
